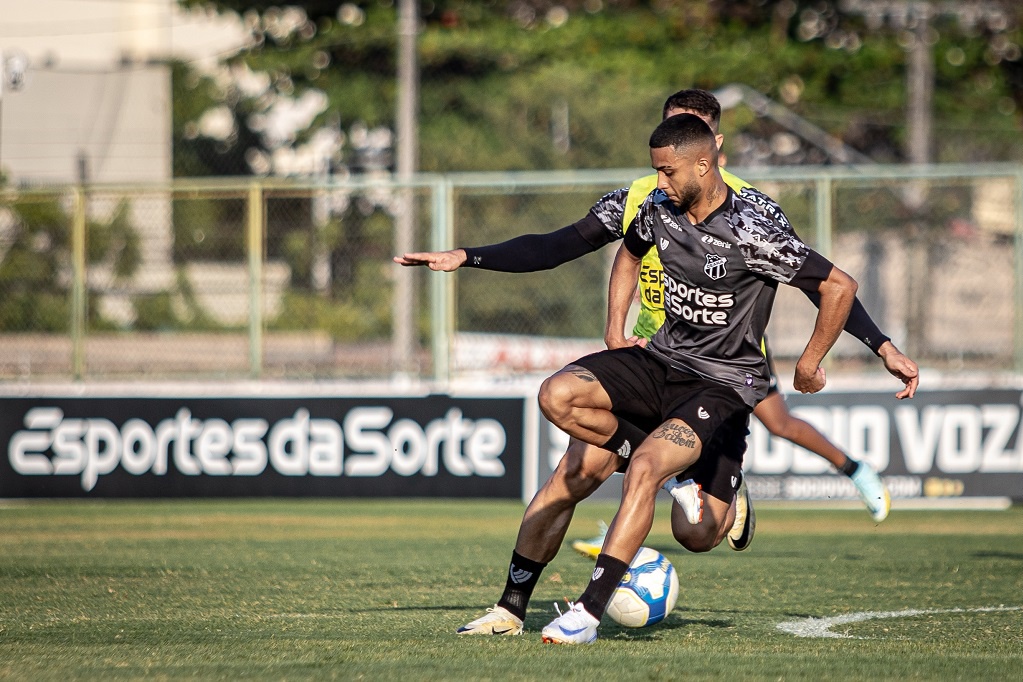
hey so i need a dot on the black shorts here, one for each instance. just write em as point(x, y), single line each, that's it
point(719, 468)
point(646, 391)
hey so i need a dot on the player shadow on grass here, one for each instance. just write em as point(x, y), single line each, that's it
point(1011, 556)
point(609, 629)
point(389, 607)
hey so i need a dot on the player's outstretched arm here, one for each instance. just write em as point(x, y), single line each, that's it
point(440, 261)
point(525, 253)
point(837, 294)
point(901, 367)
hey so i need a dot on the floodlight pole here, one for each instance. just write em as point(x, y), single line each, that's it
point(403, 318)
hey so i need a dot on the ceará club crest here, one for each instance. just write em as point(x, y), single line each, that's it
point(715, 266)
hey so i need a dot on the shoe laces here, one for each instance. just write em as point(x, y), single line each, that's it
point(574, 613)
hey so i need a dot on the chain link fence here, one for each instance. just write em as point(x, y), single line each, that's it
point(285, 280)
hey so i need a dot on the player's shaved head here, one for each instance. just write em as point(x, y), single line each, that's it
point(685, 133)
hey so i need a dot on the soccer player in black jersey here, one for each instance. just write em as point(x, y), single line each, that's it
point(703, 372)
point(584, 467)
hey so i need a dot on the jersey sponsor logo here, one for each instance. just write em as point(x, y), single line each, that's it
point(714, 241)
point(520, 575)
point(702, 414)
point(670, 222)
point(715, 266)
point(695, 305)
point(664, 243)
point(766, 206)
point(650, 285)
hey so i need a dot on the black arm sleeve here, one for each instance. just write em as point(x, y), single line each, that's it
point(814, 271)
point(859, 323)
point(535, 252)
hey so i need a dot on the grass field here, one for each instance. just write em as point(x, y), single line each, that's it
point(375, 589)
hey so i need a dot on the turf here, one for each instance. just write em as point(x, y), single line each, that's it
point(282, 589)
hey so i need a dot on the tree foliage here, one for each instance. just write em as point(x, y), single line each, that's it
point(500, 79)
point(534, 85)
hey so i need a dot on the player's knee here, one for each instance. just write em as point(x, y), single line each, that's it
point(644, 473)
point(696, 539)
point(555, 398)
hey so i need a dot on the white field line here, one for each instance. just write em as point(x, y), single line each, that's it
point(821, 627)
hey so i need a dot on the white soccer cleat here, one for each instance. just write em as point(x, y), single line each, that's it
point(687, 494)
point(745, 525)
point(872, 491)
point(575, 626)
point(591, 548)
point(497, 621)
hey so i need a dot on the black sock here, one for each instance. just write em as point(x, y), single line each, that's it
point(606, 575)
point(625, 439)
point(850, 466)
point(523, 574)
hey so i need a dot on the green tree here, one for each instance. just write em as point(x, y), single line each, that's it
point(35, 270)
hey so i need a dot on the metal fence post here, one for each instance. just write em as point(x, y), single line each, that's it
point(824, 216)
point(78, 286)
point(1018, 290)
point(255, 248)
point(442, 285)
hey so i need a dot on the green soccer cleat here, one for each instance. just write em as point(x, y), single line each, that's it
point(872, 491)
point(745, 525)
point(497, 621)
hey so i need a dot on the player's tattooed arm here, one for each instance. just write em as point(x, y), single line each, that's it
point(676, 432)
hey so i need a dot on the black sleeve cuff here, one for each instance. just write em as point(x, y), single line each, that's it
point(636, 245)
point(816, 268)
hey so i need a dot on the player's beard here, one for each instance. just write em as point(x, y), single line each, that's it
point(688, 195)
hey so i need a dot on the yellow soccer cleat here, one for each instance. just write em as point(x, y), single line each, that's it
point(591, 548)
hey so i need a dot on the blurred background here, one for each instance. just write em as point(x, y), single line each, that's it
point(214, 189)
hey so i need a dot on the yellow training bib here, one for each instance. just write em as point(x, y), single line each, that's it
point(651, 293)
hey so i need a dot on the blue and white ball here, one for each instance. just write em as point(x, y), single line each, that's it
point(648, 591)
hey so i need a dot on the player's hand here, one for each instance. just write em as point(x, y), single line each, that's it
point(613, 341)
point(809, 380)
point(439, 261)
point(618, 341)
point(900, 367)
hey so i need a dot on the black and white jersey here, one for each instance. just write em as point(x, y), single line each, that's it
point(719, 278)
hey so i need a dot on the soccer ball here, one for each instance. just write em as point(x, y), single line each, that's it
point(648, 591)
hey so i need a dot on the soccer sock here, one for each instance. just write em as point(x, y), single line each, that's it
point(850, 466)
point(523, 574)
point(606, 575)
point(625, 439)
